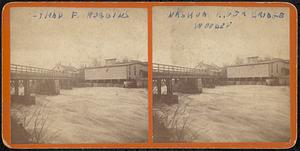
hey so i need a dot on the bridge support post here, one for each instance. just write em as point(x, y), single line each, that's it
point(209, 83)
point(25, 98)
point(168, 98)
point(16, 86)
point(49, 87)
point(213, 83)
point(189, 85)
point(53, 88)
point(65, 84)
point(169, 86)
point(159, 87)
point(26, 87)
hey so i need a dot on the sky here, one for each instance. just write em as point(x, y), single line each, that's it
point(74, 38)
point(177, 42)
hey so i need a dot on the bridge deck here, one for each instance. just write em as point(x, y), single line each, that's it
point(33, 73)
point(159, 71)
point(171, 71)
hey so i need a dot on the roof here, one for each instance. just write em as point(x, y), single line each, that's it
point(262, 62)
point(67, 68)
point(209, 66)
point(111, 59)
point(121, 64)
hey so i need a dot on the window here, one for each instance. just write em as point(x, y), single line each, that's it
point(271, 68)
point(134, 70)
point(276, 68)
point(129, 70)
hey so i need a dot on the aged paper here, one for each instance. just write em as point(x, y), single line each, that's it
point(221, 74)
point(71, 69)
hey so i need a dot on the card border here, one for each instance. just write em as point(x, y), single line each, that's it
point(6, 135)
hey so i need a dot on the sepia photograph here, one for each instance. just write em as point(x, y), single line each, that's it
point(78, 75)
point(221, 74)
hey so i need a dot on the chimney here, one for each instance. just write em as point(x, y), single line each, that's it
point(110, 61)
point(252, 59)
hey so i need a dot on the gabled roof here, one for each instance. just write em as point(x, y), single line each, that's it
point(67, 68)
point(208, 66)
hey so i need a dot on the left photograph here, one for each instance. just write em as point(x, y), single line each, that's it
point(78, 75)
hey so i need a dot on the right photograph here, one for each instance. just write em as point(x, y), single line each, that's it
point(221, 74)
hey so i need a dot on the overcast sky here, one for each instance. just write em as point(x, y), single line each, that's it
point(175, 41)
point(45, 42)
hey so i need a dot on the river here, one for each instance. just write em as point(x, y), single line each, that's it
point(237, 113)
point(90, 115)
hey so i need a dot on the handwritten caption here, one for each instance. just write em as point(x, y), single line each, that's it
point(56, 15)
point(225, 18)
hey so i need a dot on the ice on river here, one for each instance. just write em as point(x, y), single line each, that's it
point(239, 113)
point(92, 115)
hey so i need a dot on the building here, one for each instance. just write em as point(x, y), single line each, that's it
point(64, 68)
point(110, 61)
point(269, 71)
point(208, 67)
point(220, 73)
point(71, 71)
point(216, 70)
point(118, 73)
point(254, 59)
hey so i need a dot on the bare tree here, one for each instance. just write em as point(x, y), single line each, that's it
point(36, 123)
point(177, 125)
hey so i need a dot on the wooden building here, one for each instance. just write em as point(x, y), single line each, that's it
point(220, 73)
point(70, 70)
point(118, 73)
point(66, 69)
point(271, 71)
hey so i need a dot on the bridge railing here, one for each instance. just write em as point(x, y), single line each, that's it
point(172, 69)
point(36, 71)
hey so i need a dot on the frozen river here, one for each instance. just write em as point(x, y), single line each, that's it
point(92, 115)
point(239, 113)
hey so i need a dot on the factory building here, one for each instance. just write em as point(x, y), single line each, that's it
point(272, 72)
point(113, 73)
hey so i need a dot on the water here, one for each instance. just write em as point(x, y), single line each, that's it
point(91, 115)
point(239, 113)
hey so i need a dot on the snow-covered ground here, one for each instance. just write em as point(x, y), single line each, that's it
point(238, 113)
point(91, 115)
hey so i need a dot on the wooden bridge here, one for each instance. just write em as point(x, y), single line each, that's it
point(168, 71)
point(35, 73)
point(37, 80)
point(180, 79)
point(45, 81)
